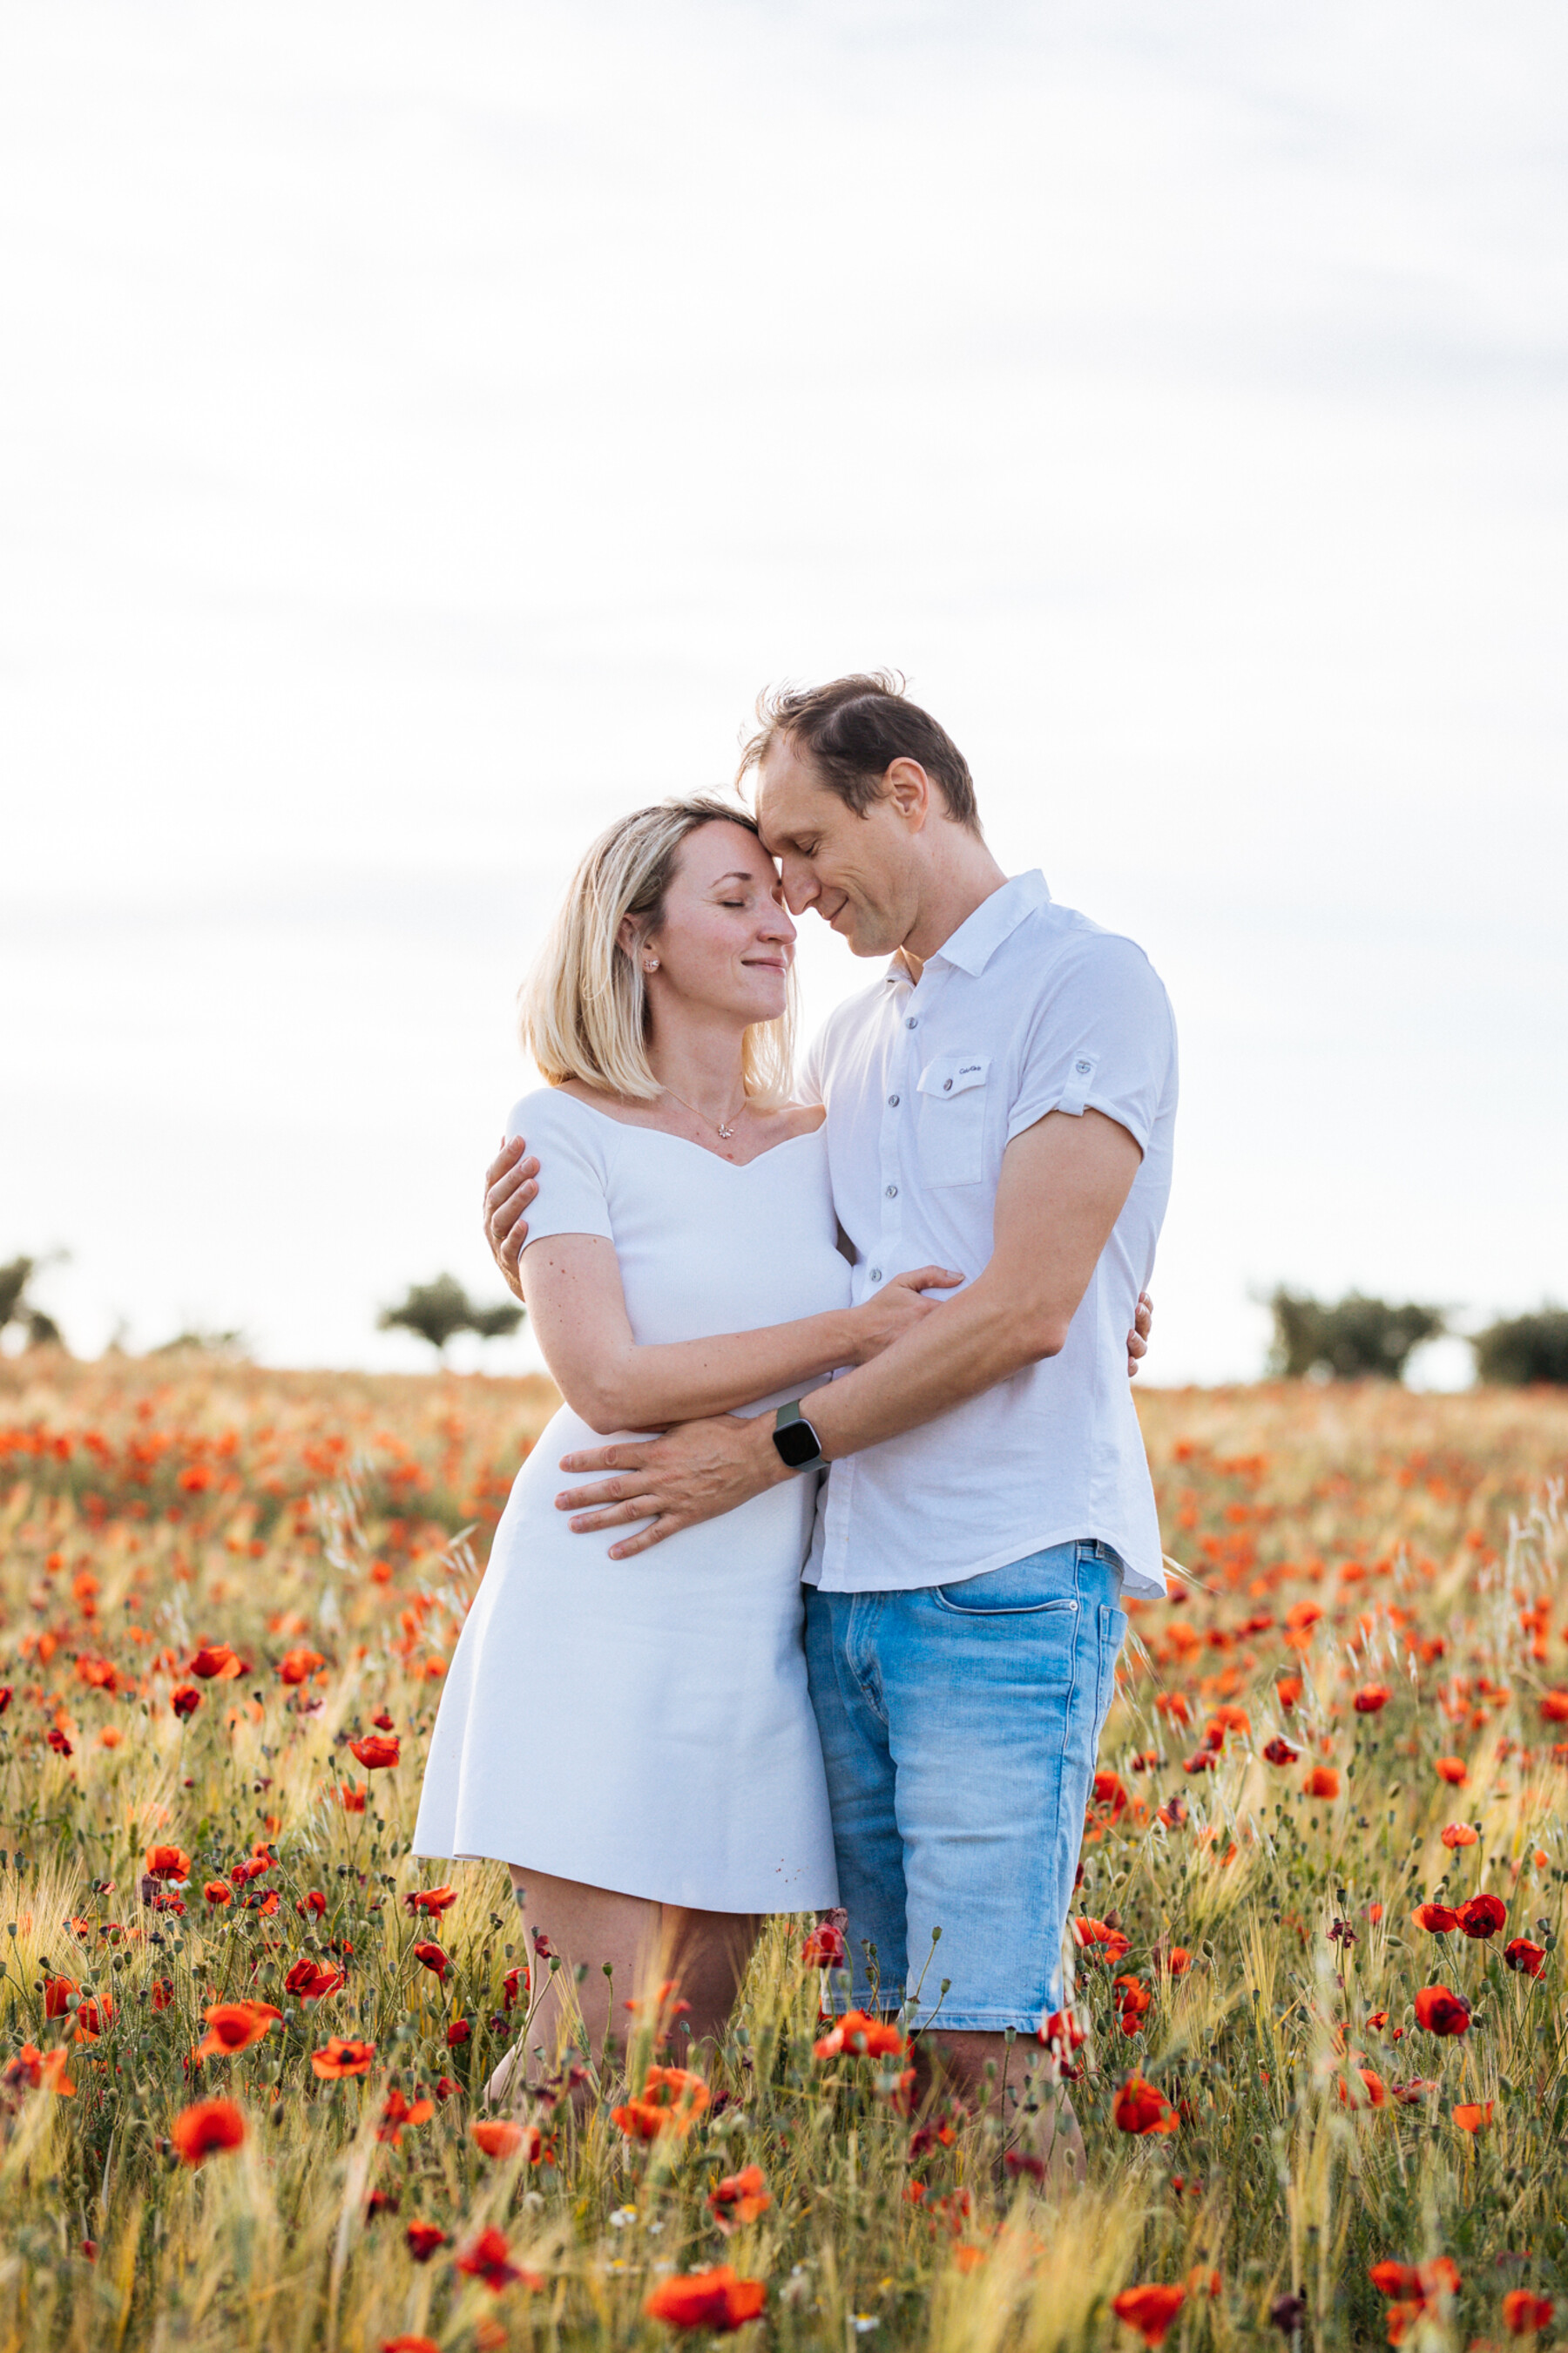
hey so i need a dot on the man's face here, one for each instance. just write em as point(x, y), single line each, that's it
point(861, 874)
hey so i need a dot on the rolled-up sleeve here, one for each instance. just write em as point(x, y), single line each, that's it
point(1104, 1040)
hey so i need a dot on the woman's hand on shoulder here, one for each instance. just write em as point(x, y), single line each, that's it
point(896, 1309)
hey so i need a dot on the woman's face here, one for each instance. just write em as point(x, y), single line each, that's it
point(725, 941)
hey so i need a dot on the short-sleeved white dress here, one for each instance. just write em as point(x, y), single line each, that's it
point(645, 1725)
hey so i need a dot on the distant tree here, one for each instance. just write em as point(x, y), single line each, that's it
point(1525, 1348)
point(439, 1311)
point(1348, 1338)
point(15, 1307)
point(235, 1346)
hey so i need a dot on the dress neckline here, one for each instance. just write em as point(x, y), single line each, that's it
point(635, 1127)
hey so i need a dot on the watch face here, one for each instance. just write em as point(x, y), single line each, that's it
point(797, 1444)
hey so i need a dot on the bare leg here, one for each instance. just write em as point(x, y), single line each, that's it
point(1055, 2136)
point(643, 1943)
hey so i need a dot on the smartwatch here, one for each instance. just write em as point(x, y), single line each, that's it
point(799, 1447)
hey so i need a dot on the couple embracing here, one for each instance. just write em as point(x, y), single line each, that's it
point(842, 1630)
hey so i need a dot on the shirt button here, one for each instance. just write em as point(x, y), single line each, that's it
point(875, 1274)
point(910, 1023)
point(892, 1192)
point(894, 1100)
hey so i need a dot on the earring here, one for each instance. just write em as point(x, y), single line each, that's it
point(650, 963)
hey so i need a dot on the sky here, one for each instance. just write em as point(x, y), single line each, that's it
point(425, 430)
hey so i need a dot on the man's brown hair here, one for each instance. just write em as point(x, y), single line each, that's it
point(853, 729)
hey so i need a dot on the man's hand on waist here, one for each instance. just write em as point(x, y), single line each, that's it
point(694, 1472)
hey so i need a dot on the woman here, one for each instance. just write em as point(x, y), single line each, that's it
point(635, 1738)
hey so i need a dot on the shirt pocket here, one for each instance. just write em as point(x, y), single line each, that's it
point(951, 1130)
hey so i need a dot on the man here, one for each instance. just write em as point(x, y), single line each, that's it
point(1002, 1101)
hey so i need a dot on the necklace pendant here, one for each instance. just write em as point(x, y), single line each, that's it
point(726, 1133)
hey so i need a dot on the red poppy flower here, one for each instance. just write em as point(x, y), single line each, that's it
point(1554, 1706)
point(168, 1862)
point(1524, 2312)
point(1322, 1781)
point(1178, 1961)
point(1095, 1937)
point(1373, 2092)
point(1411, 2095)
point(510, 1989)
point(1452, 1769)
point(1150, 2310)
point(1110, 1794)
point(233, 2026)
point(1472, 2115)
point(298, 1666)
point(432, 1958)
point(423, 2239)
point(823, 1948)
point(1203, 1760)
point(33, 2069)
point(1442, 2012)
point(399, 2112)
point(1458, 1834)
point(216, 1659)
point(218, 1891)
point(374, 1752)
point(862, 2037)
point(206, 2128)
point(311, 1982)
point(1061, 2032)
point(1288, 1692)
point(740, 2197)
point(671, 2100)
point(501, 2139)
point(1528, 1958)
point(185, 1700)
point(457, 2034)
point(488, 2257)
point(91, 2019)
point(1437, 1919)
point(1141, 2107)
point(1280, 1752)
point(1483, 1915)
point(163, 1992)
point(340, 2059)
point(352, 1797)
point(1370, 1697)
point(714, 2299)
point(312, 1906)
point(432, 1900)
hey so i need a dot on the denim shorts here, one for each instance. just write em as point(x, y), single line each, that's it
point(959, 1726)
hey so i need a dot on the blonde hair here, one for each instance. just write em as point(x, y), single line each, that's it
point(584, 1009)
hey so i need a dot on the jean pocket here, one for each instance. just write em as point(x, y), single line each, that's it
point(1013, 1592)
point(1113, 1627)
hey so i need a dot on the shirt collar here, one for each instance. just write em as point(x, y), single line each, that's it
point(979, 936)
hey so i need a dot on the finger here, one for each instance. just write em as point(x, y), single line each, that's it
point(665, 1525)
point(617, 1515)
point(507, 1157)
point(1136, 1344)
point(508, 1253)
point(607, 1458)
point(608, 1490)
point(512, 1192)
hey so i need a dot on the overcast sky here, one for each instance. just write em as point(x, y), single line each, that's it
point(423, 429)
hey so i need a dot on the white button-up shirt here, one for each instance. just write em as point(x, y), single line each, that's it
point(1028, 1008)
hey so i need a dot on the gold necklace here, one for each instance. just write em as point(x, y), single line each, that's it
point(717, 1126)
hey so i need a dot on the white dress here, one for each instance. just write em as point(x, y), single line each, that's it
point(643, 1724)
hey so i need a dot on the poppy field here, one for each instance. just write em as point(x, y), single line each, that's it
point(1315, 2030)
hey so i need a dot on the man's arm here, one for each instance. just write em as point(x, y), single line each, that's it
point(1062, 1187)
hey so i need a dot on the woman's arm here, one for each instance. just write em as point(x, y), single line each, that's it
point(579, 1313)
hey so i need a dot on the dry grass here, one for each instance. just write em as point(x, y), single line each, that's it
point(147, 1509)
